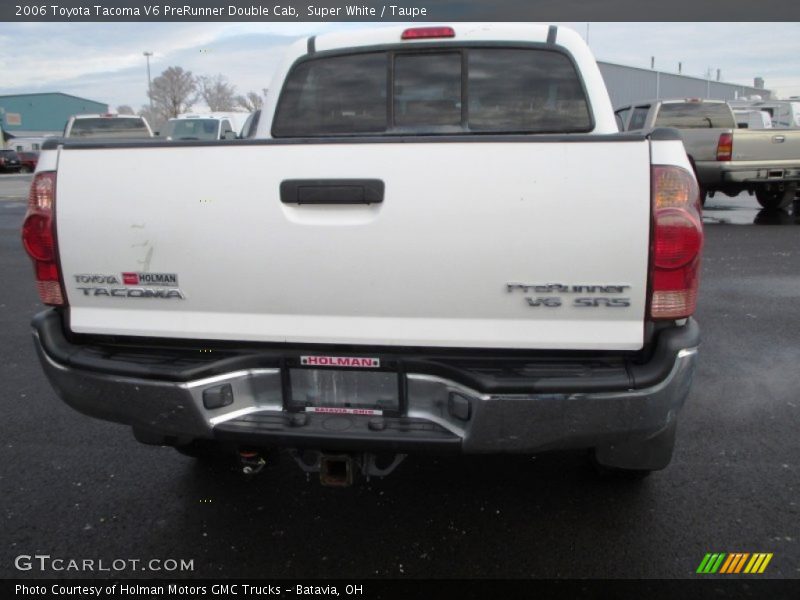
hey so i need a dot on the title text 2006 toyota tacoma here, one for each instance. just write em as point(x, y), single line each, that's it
point(439, 243)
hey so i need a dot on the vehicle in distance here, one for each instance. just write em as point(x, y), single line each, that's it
point(417, 272)
point(212, 126)
point(108, 125)
point(752, 119)
point(28, 161)
point(9, 161)
point(725, 158)
point(784, 114)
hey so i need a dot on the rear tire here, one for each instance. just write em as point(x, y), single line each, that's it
point(775, 198)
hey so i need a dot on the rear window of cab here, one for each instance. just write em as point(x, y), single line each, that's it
point(441, 91)
point(695, 115)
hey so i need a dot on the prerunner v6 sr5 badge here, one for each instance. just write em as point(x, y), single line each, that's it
point(555, 295)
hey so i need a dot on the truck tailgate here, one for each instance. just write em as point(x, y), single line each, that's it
point(767, 145)
point(429, 266)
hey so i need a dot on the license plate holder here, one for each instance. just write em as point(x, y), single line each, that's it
point(342, 390)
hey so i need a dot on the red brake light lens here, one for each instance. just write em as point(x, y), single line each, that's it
point(725, 146)
point(677, 244)
point(416, 33)
point(678, 239)
point(38, 238)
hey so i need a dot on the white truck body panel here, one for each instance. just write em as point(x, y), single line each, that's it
point(429, 266)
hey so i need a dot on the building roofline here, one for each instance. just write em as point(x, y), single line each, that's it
point(742, 85)
point(52, 94)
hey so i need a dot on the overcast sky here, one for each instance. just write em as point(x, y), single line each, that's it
point(104, 61)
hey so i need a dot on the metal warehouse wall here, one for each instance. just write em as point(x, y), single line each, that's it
point(43, 113)
point(627, 85)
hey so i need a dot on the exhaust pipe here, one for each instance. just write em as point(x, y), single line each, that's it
point(336, 470)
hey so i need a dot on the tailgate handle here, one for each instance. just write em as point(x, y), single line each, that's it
point(779, 139)
point(332, 191)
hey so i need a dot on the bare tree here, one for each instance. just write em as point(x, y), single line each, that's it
point(251, 101)
point(124, 109)
point(173, 92)
point(217, 92)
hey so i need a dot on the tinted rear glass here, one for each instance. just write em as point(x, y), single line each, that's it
point(498, 90)
point(638, 117)
point(8, 154)
point(108, 127)
point(335, 95)
point(192, 129)
point(694, 115)
point(525, 90)
point(427, 90)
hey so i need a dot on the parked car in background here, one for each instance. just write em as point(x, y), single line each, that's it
point(208, 126)
point(9, 161)
point(753, 119)
point(108, 125)
point(28, 161)
point(725, 158)
point(784, 114)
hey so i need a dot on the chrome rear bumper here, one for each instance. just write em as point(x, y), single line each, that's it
point(441, 415)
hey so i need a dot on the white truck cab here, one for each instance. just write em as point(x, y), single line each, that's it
point(753, 119)
point(784, 114)
point(206, 126)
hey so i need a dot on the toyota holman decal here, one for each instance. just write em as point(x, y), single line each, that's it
point(130, 285)
point(551, 295)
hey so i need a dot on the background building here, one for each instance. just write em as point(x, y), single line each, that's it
point(628, 85)
point(27, 117)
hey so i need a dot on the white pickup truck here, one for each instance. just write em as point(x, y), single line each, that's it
point(441, 243)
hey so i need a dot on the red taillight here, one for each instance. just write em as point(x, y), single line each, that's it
point(725, 146)
point(678, 240)
point(417, 33)
point(38, 238)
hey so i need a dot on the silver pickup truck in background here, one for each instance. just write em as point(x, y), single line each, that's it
point(725, 159)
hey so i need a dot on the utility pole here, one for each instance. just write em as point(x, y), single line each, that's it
point(147, 55)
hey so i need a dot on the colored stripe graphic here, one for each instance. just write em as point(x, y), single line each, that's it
point(711, 563)
point(764, 564)
point(734, 563)
point(727, 564)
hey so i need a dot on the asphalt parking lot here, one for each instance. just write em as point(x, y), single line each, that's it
point(78, 488)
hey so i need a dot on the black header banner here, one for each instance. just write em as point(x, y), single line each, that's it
point(398, 10)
